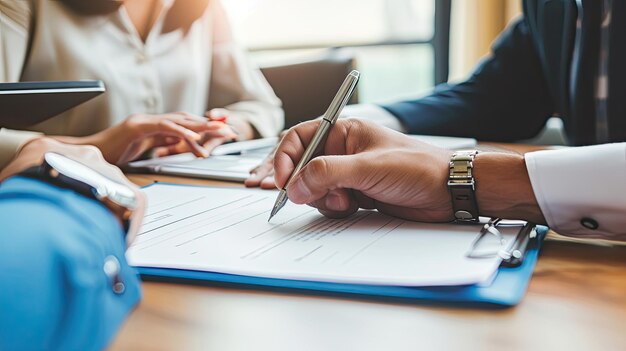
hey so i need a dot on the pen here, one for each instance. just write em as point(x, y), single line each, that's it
point(223, 118)
point(219, 119)
point(319, 138)
point(520, 247)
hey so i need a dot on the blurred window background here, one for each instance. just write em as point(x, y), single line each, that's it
point(391, 40)
point(397, 44)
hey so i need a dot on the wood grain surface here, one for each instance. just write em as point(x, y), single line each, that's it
point(576, 301)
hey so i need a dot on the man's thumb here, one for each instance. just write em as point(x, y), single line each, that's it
point(322, 174)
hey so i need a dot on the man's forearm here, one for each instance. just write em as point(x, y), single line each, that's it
point(503, 187)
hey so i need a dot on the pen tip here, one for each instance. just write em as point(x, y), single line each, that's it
point(280, 202)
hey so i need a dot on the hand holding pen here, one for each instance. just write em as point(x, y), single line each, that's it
point(319, 139)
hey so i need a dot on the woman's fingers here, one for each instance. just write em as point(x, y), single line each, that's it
point(166, 127)
point(259, 174)
point(172, 149)
point(268, 183)
point(224, 132)
point(184, 146)
point(263, 180)
point(213, 142)
point(207, 134)
point(198, 126)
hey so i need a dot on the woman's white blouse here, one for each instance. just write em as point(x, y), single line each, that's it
point(175, 71)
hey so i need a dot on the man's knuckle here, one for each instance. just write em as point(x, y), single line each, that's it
point(318, 167)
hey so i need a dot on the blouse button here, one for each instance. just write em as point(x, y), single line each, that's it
point(142, 58)
point(589, 223)
point(150, 101)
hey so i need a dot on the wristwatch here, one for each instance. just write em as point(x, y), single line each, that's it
point(66, 173)
point(462, 186)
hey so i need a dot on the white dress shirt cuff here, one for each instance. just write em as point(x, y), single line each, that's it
point(582, 191)
point(375, 114)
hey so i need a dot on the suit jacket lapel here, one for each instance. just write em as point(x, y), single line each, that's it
point(567, 47)
point(553, 25)
point(582, 121)
point(617, 72)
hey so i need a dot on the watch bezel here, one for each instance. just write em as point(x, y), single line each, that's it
point(462, 186)
point(103, 188)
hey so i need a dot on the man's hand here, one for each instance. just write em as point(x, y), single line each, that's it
point(366, 166)
point(32, 154)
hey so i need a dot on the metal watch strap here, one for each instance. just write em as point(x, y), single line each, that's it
point(462, 186)
point(45, 172)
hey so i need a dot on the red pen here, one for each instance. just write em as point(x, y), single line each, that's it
point(223, 119)
point(219, 119)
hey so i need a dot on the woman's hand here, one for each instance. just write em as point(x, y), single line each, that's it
point(263, 174)
point(231, 130)
point(167, 134)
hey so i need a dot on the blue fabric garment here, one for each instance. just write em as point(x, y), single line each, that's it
point(54, 293)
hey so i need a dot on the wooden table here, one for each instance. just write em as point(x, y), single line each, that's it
point(576, 301)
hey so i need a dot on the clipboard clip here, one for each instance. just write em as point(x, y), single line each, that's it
point(490, 243)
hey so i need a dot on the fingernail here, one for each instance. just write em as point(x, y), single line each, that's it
point(300, 189)
point(204, 152)
point(334, 202)
point(193, 135)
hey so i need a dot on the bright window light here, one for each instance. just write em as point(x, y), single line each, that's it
point(276, 30)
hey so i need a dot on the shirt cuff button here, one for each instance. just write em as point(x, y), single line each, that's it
point(589, 223)
point(112, 269)
point(119, 287)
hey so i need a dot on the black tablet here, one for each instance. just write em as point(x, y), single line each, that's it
point(24, 104)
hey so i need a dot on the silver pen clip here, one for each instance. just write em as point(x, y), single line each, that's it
point(491, 243)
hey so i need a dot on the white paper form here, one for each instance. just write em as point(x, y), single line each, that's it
point(226, 230)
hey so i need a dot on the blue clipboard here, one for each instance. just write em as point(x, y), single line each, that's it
point(505, 290)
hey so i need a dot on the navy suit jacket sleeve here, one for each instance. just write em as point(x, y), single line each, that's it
point(54, 292)
point(505, 99)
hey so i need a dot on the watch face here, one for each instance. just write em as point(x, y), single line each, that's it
point(104, 187)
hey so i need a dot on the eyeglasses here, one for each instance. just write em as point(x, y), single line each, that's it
point(490, 242)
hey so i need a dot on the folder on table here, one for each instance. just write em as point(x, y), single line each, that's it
point(194, 234)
